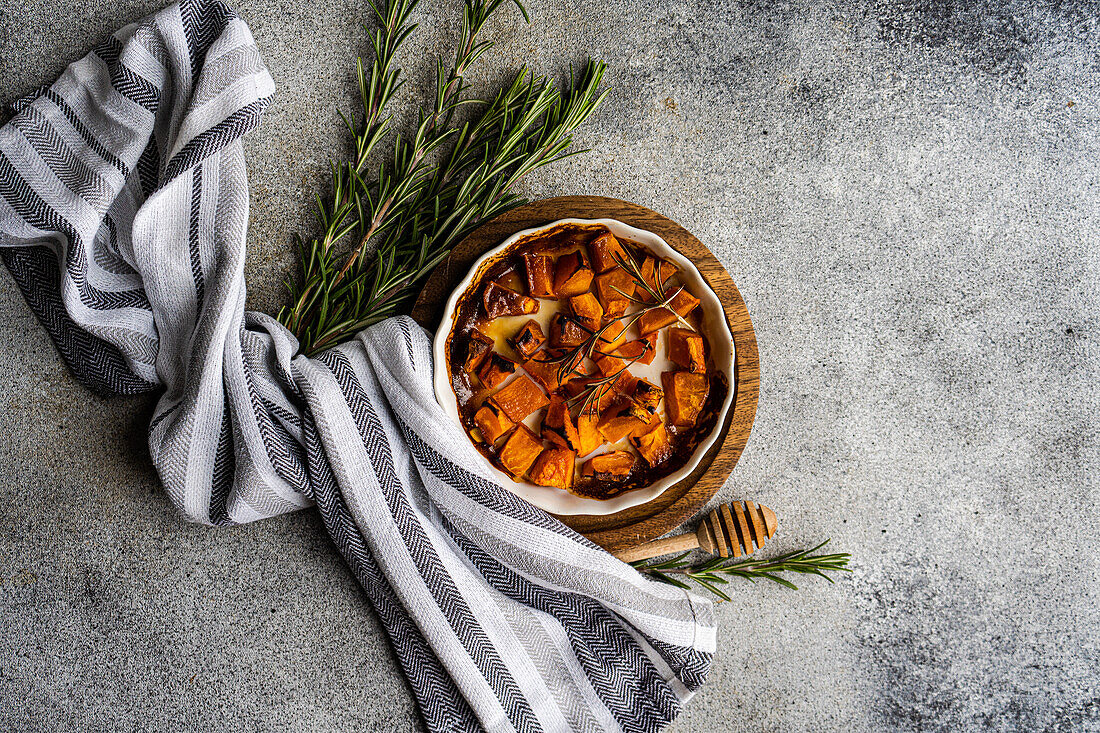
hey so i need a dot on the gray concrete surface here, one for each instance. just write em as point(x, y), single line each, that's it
point(907, 195)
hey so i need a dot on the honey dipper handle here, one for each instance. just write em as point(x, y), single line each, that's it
point(656, 548)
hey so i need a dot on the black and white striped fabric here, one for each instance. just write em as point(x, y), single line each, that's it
point(123, 213)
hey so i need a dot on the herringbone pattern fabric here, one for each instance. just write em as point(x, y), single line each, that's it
point(123, 215)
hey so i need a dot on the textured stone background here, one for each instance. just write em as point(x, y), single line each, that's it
point(907, 195)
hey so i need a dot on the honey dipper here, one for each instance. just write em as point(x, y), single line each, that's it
point(731, 529)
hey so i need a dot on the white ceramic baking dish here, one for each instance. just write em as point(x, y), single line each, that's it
point(716, 330)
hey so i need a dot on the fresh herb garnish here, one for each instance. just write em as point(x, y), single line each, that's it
point(385, 229)
point(714, 572)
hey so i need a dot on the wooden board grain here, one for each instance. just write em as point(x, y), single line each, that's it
point(678, 503)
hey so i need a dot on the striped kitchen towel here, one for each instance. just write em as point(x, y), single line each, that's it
point(123, 214)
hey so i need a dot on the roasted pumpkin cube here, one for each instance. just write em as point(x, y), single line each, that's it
point(686, 349)
point(543, 372)
point(656, 273)
point(573, 387)
point(609, 365)
point(588, 433)
point(528, 339)
point(558, 427)
point(615, 310)
point(603, 251)
point(621, 426)
point(640, 351)
point(492, 422)
point(612, 336)
point(519, 398)
point(615, 283)
point(613, 466)
point(654, 320)
point(614, 288)
point(495, 369)
point(615, 425)
point(477, 349)
point(554, 467)
point(597, 397)
point(654, 446)
point(572, 276)
point(587, 310)
point(501, 301)
point(546, 366)
point(540, 275)
point(685, 394)
point(625, 384)
point(520, 451)
point(682, 303)
point(638, 412)
point(566, 331)
point(607, 396)
point(576, 367)
point(648, 395)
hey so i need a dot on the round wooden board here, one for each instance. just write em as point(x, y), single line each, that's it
point(678, 503)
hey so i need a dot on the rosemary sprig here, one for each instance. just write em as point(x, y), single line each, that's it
point(595, 387)
point(570, 360)
point(345, 213)
point(655, 294)
point(383, 231)
point(712, 573)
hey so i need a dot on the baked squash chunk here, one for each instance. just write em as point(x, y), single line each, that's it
point(612, 336)
point(614, 288)
point(501, 301)
point(606, 252)
point(572, 276)
point(654, 446)
point(682, 303)
point(587, 311)
point(519, 398)
point(656, 273)
point(520, 451)
point(685, 348)
point(492, 422)
point(544, 372)
point(654, 320)
point(600, 396)
point(613, 466)
point(615, 426)
point(624, 385)
point(588, 433)
point(495, 369)
point(648, 395)
point(566, 332)
point(642, 350)
point(685, 395)
point(558, 427)
point(554, 467)
point(528, 339)
point(540, 275)
point(477, 349)
point(609, 365)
